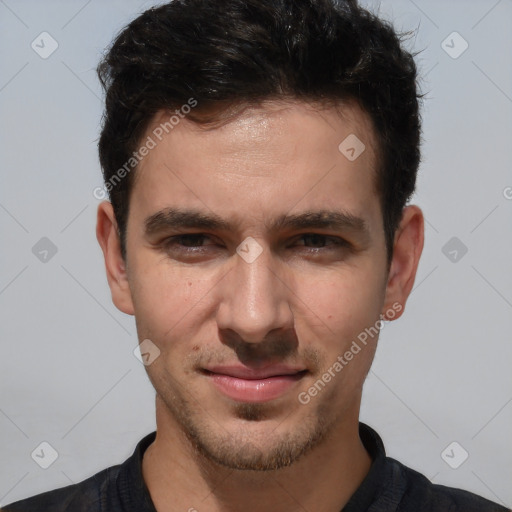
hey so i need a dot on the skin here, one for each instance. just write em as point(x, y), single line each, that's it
point(303, 302)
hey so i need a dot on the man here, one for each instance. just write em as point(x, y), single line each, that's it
point(259, 156)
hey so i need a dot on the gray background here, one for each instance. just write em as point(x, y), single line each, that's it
point(68, 373)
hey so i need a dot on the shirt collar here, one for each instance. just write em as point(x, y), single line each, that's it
point(130, 486)
point(372, 485)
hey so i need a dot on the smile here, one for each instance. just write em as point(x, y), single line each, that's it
point(243, 384)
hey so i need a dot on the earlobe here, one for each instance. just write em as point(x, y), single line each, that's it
point(115, 266)
point(407, 250)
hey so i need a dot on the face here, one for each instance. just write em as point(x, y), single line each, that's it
point(256, 262)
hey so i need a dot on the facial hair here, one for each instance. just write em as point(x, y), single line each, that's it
point(240, 449)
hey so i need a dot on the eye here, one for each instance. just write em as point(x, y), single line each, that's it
point(199, 245)
point(317, 241)
point(193, 242)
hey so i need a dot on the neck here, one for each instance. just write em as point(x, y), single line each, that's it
point(180, 478)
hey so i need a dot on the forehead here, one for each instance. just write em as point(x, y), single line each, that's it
point(272, 159)
point(262, 129)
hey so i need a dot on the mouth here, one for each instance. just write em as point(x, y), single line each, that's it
point(244, 384)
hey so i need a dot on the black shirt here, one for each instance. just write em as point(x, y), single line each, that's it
point(389, 486)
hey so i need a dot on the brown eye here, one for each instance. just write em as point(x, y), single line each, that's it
point(317, 241)
point(189, 240)
point(191, 243)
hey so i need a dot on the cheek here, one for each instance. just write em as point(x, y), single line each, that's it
point(164, 297)
point(346, 303)
point(348, 308)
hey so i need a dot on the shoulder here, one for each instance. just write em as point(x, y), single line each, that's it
point(421, 494)
point(110, 489)
point(86, 496)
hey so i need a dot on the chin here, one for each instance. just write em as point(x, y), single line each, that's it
point(253, 442)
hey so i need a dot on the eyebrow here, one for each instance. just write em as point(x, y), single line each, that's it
point(177, 218)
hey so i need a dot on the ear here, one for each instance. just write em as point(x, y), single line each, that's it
point(407, 248)
point(108, 238)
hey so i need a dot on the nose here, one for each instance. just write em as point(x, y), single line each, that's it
point(255, 299)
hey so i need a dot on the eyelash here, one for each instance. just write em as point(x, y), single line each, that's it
point(173, 241)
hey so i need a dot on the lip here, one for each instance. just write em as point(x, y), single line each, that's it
point(244, 384)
